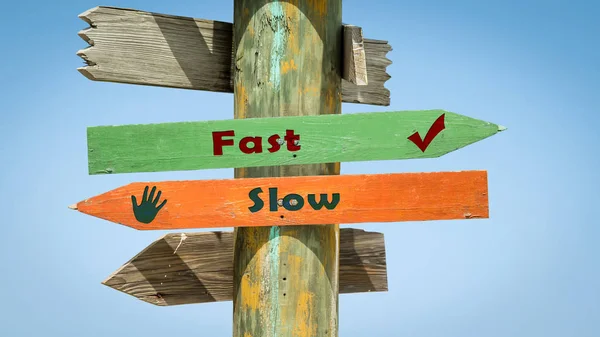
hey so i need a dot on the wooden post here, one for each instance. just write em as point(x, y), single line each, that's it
point(287, 63)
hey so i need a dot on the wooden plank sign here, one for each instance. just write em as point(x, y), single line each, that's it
point(278, 141)
point(304, 200)
point(138, 47)
point(187, 268)
point(355, 63)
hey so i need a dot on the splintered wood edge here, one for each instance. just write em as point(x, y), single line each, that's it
point(85, 16)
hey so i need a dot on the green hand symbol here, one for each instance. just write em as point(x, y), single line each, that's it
point(146, 211)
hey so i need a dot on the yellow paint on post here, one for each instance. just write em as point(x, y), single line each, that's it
point(295, 263)
point(250, 293)
point(293, 41)
point(287, 66)
point(241, 100)
point(330, 99)
point(292, 25)
point(319, 6)
point(305, 324)
point(310, 91)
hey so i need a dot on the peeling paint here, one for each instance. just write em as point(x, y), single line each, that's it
point(319, 6)
point(329, 102)
point(287, 66)
point(278, 47)
point(274, 241)
point(241, 100)
point(305, 324)
point(250, 292)
point(293, 45)
point(309, 90)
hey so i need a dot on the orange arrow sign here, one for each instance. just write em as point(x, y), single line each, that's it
point(294, 200)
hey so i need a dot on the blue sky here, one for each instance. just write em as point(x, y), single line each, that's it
point(532, 269)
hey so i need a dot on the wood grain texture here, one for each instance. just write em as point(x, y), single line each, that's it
point(188, 268)
point(138, 47)
point(287, 63)
point(322, 139)
point(355, 61)
point(249, 202)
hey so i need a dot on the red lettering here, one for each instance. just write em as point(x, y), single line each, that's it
point(257, 148)
point(274, 144)
point(290, 137)
point(219, 142)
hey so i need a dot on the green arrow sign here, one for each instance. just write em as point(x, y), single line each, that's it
point(281, 141)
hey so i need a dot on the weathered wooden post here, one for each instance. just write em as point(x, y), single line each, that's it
point(287, 63)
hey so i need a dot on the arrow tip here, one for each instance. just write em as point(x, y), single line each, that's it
point(501, 128)
point(73, 207)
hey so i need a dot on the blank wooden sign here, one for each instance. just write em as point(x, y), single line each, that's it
point(186, 268)
point(139, 47)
